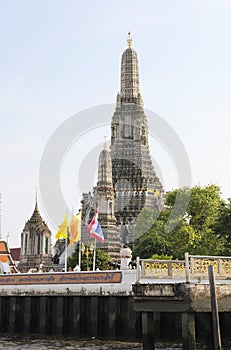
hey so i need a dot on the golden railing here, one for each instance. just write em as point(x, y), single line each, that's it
point(162, 268)
point(199, 264)
point(194, 266)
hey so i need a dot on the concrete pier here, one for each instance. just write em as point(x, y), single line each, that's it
point(188, 331)
point(118, 309)
point(188, 299)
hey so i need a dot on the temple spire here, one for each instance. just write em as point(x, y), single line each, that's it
point(104, 168)
point(36, 198)
point(129, 85)
point(36, 217)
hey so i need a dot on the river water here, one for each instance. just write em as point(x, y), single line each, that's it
point(48, 343)
point(16, 343)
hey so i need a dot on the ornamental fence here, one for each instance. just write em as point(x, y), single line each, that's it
point(194, 266)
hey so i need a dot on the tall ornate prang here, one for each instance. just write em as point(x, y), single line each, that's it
point(35, 243)
point(104, 203)
point(135, 182)
point(104, 192)
point(127, 181)
point(103, 200)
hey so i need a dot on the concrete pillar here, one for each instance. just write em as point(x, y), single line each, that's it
point(94, 317)
point(1, 314)
point(12, 314)
point(156, 320)
point(188, 331)
point(27, 314)
point(42, 315)
point(148, 331)
point(131, 318)
point(76, 316)
point(112, 317)
point(59, 315)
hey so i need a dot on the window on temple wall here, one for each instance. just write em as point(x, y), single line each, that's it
point(46, 245)
point(39, 242)
point(110, 207)
point(25, 246)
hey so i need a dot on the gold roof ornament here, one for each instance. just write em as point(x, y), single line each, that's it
point(129, 39)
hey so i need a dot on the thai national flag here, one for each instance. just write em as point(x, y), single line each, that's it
point(95, 229)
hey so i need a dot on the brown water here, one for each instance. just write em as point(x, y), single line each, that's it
point(19, 343)
point(9, 343)
point(47, 343)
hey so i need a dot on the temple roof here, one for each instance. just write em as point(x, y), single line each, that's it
point(36, 218)
point(5, 255)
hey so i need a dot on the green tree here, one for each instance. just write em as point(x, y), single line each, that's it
point(204, 207)
point(222, 228)
point(157, 241)
point(102, 261)
point(153, 241)
point(192, 230)
point(144, 221)
point(161, 257)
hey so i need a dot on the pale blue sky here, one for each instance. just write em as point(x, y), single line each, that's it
point(59, 57)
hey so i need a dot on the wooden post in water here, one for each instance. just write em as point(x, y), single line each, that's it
point(215, 316)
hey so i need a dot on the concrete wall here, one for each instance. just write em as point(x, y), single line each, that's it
point(98, 310)
point(107, 317)
point(79, 310)
point(110, 317)
point(81, 289)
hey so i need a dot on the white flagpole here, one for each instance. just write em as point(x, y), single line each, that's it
point(80, 255)
point(94, 256)
point(65, 267)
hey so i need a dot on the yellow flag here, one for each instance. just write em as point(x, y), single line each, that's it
point(62, 232)
point(75, 229)
point(157, 193)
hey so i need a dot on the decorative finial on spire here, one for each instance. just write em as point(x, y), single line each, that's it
point(129, 39)
point(36, 197)
point(105, 142)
